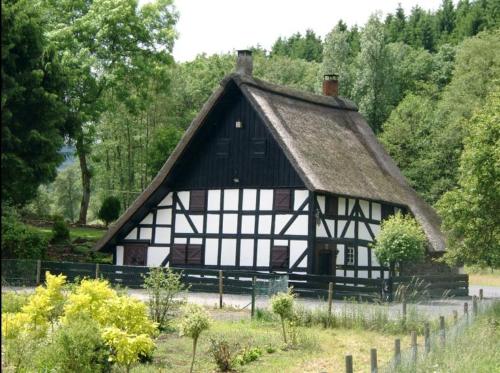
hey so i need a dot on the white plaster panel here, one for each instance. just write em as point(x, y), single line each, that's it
point(230, 223)
point(196, 241)
point(363, 233)
point(365, 207)
point(339, 273)
point(264, 224)
point(375, 262)
point(296, 249)
point(231, 199)
point(375, 274)
point(184, 198)
point(212, 223)
point(281, 242)
point(342, 202)
point(248, 224)
point(352, 201)
point(299, 197)
point(321, 203)
point(180, 240)
point(375, 229)
point(266, 199)
point(132, 235)
point(320, 230)
point(156, 255)
point(164, 216)
point(362, 256)
point(280, 221)
point(145, 233)
point(303, 263)
point(263, 253)
point(182, 225)
point(119, 255)
point(340, 226)
point(376, 211)
point(167, 201)
point(349, 274)
point(246, 252)
point(198, 222)
point(213, 202)
point(162, 235)
point(350, 230)
point(211, 251)
point(299, 226)
point(228, 252)
point(148, 219)
point(340, 255)
point(249, 199)
point(331, 226)
point(363, 274)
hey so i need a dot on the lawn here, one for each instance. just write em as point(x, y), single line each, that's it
point(91, 234)
point(484, 277)
point(318, 350)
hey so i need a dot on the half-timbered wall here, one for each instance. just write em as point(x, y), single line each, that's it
point(351, 224)
point(237, 228)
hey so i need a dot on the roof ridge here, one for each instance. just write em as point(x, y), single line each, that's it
point(329, 101)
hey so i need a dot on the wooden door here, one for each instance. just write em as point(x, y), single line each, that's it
point(326, 258)
point(135, 254)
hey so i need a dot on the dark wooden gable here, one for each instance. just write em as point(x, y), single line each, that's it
point(232, 149)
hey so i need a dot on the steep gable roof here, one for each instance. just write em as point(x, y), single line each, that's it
point(328, 142)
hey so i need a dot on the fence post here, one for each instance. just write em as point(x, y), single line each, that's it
point(254, 280)
point(427, 339)
point(373, 360)
point(348, 364)
point(330, 298)
point(474, 306)
point(442, 332)
point(455, 316)
point(97, 270)
point(404, 311)
point(397, 352)
point(38, 271)
point(480, 294)
point(466, 311)
point(414, 347)
point(221, 287)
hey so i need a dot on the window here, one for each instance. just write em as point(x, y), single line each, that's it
point(387, 211)
point(258, 148)
point(282, 199)
point(183, 254)
point(331, 205)
point(349, 256)
point(197, 200)
point(279, 257)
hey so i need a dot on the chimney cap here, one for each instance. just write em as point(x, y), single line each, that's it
point(244, 62)
point(244, 52)
point(331, 77)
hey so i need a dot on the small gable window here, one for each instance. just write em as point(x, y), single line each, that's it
point(183, 254)
point(283, 199)
point(197, 200)
point(331, 205)
point(279, 257)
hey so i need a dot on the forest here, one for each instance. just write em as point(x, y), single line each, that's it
point(99, 76)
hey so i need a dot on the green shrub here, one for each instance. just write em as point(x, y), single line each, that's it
point(110, 210)
point(60, 230)
point(223, 354)
point(282, 305)
point(194, 321)
point(401, 239)
point(19, 241)
point(13, 302)
point(248, 355)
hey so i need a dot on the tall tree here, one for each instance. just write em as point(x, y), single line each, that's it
point(102, 42)
point(32, 109)
point(307, 47)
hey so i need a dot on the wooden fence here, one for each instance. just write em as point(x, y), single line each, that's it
point(26, 272)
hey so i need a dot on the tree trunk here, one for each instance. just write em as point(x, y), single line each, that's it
point(195, 341)
point(82, 156)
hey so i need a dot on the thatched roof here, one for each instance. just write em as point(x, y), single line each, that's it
point(327, 141)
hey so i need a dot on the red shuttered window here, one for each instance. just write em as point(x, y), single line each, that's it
point(197, 200)
point(183, 254)
point(282, 199)
point(279, 257)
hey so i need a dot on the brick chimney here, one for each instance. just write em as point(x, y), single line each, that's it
point(244, 62)
point(331, 85)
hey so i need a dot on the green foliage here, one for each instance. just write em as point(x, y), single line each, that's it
point(194, 321)
point(33, 112)
point(60, 230)
point(400, 240)
point(307, 47)
point(282, 304)
point(18, 240)
point(470, 212)
point(110, 210)
point(12, 302)
point(163, 285)
point(163, 145)
point(67, 190)
point(248, 355)
point(223, 354)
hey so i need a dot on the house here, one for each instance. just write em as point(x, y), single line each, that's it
point(269, 178)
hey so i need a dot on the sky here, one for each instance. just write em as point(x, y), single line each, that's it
point(219, 26)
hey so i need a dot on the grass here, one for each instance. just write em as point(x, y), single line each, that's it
point(319, 349)
point(483, 277)
point(92, 234)
point(477, 350)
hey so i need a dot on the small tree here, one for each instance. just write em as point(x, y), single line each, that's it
point(110, 210)
point(401, 239)
point(282, 304)
point(163, 285)
point(60, 230)
point(194, 321)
